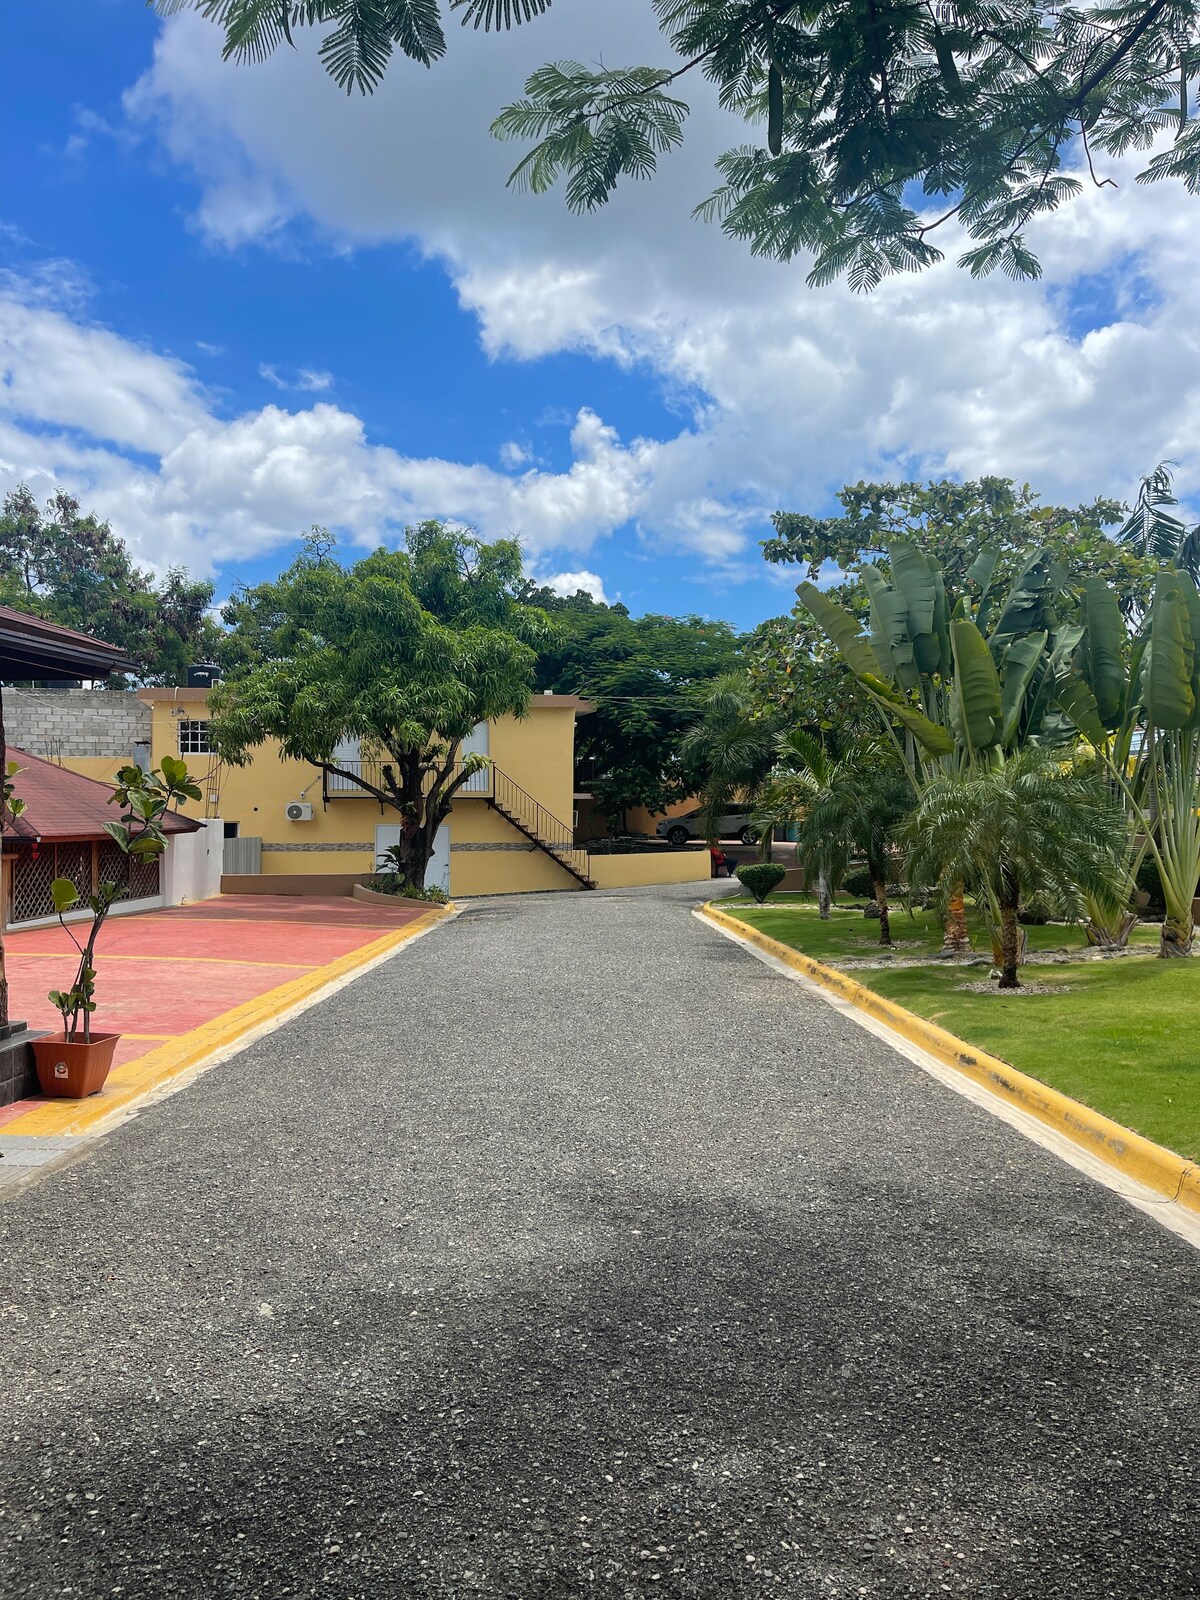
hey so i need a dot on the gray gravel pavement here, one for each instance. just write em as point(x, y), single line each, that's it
point(576, 1253)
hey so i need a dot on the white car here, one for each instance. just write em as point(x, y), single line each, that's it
point(731, 825)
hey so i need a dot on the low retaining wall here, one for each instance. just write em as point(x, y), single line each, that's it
point(327, 883)
point(650, 866)
point(18, 1074)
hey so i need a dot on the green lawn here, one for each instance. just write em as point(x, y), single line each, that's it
point(1121, 1035)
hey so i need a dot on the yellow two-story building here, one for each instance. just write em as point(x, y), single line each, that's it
point(291, 827)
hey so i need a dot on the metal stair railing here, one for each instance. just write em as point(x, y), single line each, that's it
point(540, 826)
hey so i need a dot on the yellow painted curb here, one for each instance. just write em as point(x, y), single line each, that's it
point(129, 1083)
point(1138, 1158)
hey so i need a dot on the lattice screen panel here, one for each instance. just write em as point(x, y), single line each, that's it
point(31, 880)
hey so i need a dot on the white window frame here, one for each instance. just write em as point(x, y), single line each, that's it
point(193, 744)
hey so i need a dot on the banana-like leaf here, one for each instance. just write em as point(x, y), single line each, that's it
point(931, 736)
point(1169, 662)
point(941, 623)
point(1021, 662)
point(890, 638)
point(840, 627)
point(1027, 605)
point(913, 575)
point(976, 687)
point(1078, 704)
point(1191, 597)
point(1103, 642)
point(982, 570)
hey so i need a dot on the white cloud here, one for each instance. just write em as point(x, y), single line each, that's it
point(570, 583)
point(306, 380)
point(513, 455)
point(786, 392)
point(133, 434)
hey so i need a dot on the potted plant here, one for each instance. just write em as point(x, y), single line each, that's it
point(75, 1062)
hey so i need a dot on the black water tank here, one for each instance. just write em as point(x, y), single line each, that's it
point(203, 675)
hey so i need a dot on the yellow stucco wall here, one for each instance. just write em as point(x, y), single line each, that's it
point(537, 752)
point(487, 855)
point(652, 866)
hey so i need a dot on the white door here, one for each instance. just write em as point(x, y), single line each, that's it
point(437, 875)
point(476, 744)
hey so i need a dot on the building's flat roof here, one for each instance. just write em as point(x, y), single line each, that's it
point(199, 697)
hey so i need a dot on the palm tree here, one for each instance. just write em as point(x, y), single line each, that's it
point(731, 749)
point(1030, 825)
point(803, 771)
point(859, 810)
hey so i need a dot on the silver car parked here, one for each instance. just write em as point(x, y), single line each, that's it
point(733, 824)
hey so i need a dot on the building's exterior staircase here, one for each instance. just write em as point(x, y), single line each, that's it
point(541, 827)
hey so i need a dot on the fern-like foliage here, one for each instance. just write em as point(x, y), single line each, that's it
point(492, 15)
point(876, 121)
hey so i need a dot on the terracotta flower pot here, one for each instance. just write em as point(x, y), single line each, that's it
point(71, 1069)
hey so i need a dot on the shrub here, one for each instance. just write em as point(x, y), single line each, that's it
point(760, 877)
point(393, 883)
point(1149, 881)
point(857, 883)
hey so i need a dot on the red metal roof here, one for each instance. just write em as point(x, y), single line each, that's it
point(64, 805)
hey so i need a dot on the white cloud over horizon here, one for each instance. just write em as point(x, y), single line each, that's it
point(783, 393)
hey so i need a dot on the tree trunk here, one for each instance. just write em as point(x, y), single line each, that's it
point(1010, 947)
point(956, 940)
point(414, 848)
point(1177, 936)
point(823, 895)
point(1113, 935)
point(881, 900)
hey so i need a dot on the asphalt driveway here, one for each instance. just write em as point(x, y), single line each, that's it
point(573, 1252)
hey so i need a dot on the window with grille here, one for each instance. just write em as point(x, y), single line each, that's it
point(193, 738)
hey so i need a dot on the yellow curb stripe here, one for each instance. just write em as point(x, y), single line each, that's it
point(130, 1082)
point(1141, 1159)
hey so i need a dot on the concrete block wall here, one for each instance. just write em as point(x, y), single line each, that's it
point(97, 723)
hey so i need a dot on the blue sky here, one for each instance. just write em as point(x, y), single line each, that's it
point(236, 304)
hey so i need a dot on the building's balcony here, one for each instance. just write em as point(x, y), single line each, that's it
point(338, 787)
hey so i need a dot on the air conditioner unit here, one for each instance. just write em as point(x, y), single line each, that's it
point(299, 811)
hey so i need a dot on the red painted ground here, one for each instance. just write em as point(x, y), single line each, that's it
point(162, 973)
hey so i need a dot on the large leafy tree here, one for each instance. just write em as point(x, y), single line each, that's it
point(405, 651)
point(71, 568)
point(953, 522)
point(646, 678)
point(873, 122)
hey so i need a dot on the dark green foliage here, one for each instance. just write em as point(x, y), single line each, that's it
point(72, 569)
point(760, 877)
point(729, 752)
point(392, 880)
point(1149, 881)
point(405, 651)
point(858, 882)
point(646, 677)
point(955, 522)
point(873, 124)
